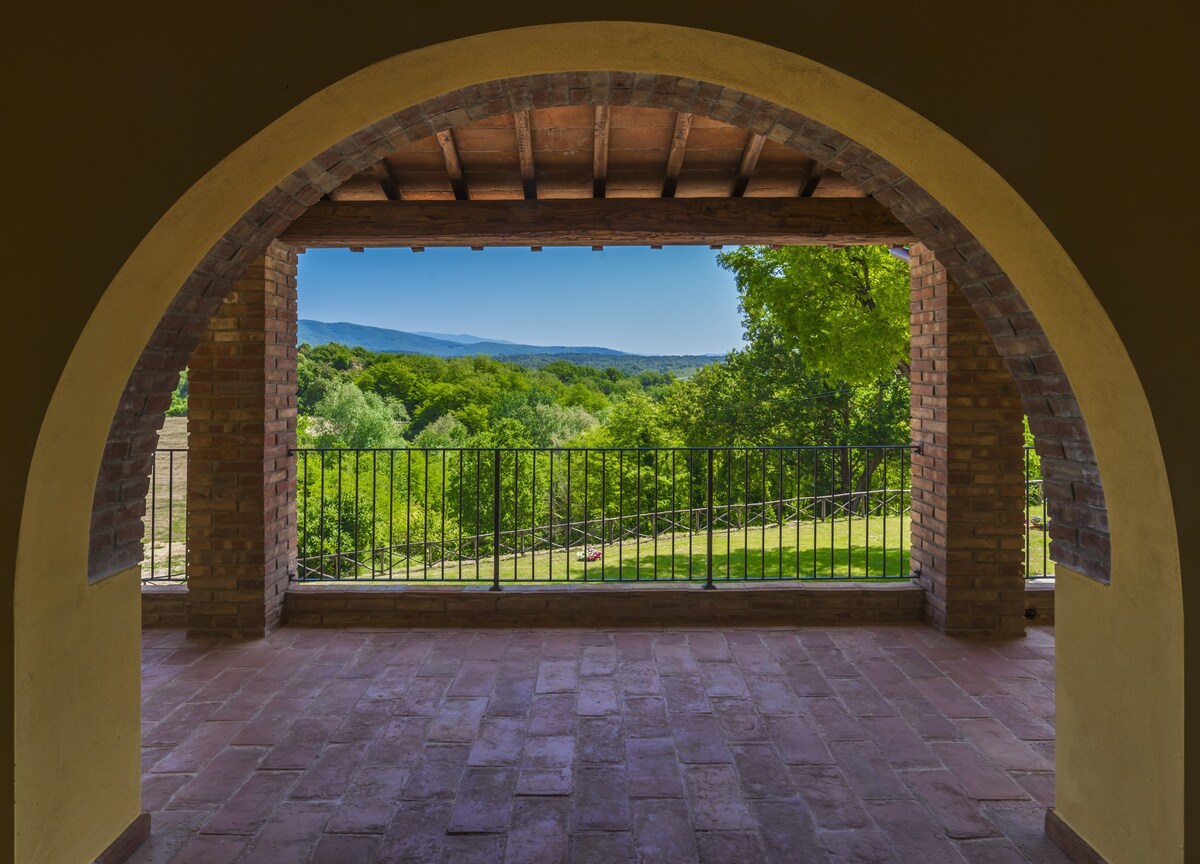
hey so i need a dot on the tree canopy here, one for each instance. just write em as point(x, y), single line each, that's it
point(845, 310)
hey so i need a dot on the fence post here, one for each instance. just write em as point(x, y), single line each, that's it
point(708, 581)
point(496, 523)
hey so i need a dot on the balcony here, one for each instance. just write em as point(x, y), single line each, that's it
point(881, 744)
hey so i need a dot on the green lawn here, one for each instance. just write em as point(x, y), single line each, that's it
point(832, 549)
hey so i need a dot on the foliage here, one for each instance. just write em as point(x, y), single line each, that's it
point(845, 310)
point(179, 398)
point(348, 417)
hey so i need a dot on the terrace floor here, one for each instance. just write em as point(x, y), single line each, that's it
point(852, 744)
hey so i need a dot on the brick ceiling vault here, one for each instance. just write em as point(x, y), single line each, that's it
point(1081, 539)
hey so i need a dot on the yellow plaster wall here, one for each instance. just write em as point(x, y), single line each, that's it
point(78, 711)
point(1119, 727)
point(191, 131)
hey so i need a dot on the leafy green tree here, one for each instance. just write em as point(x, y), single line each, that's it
point(443, 432)
point(348, 417)
point(636, 421)
point(845, 310)
point(179, 399)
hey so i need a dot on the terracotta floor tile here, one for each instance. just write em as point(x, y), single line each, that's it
point(738, 745)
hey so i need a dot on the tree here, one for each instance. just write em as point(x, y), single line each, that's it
point(179, 399)
point(844, 310)
point(635, 421)
point(443, 432)
point(347, 417)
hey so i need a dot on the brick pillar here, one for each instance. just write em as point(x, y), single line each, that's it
point(968, 516)
point(241, 540)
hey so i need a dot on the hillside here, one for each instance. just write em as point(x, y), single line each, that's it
point(400, 342)
point(679, 365)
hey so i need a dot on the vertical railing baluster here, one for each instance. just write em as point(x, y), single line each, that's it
point(654, 524)
point(550, 518)
point(691, 509)
point(674, 511)
point(567, 534)
point(708, 579)
point(586, 504)
point(779, 515)
point(885, 513)
point(357, 541)
point(442, 547)
point(496, 522)
point(391, 554)
point(516, 520)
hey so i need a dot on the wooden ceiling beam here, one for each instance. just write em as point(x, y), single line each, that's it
point(454, 168)
point(600, 151)
point(525, 154)
point(683, 124)
point(747, 164)
point(387, 182)
point(598, 222)
point(810, 179)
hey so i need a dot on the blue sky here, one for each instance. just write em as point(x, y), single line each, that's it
point(674, 300)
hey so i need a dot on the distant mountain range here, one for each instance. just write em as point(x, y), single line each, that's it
point(438, 344)
point(464, 338)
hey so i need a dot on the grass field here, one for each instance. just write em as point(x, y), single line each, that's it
point(829, 550)
point(833, 549)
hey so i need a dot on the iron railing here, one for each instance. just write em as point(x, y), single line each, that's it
point(368, 514)
point(501, 515)
point(1037, 521)
point(165, 535)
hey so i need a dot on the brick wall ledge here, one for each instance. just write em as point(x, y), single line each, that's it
point(600, 605)
point(164, 605)
point(1039, 596)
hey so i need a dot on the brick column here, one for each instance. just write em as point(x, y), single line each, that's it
point(241, 540)
point(968, 516)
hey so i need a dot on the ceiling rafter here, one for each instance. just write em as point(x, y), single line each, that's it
point(454, 168)
point(810, 179)
point(600, 151)
point(683, 124)
point(387, 182)
point(525, 154)
point(747, 164)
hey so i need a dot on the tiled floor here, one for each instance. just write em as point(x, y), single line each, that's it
point(859, 744)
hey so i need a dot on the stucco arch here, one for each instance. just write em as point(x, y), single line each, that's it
point(1131, 630)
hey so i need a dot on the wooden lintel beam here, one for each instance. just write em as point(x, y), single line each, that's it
point(525, 153)
point(747, 164)
point(383, 174)
point(454, 168)
point(683, 124)
point(598, 222)
point(600, 151)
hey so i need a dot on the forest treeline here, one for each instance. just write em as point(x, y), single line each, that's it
point(761, 394)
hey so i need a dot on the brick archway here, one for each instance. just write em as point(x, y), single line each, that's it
point(1078, 511)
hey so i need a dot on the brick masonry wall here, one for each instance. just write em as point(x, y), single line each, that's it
point(241, 424)
point(968, 480)
point(1079, 527)
point(602, 606)
point(164, 606)
point(1040, 598)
